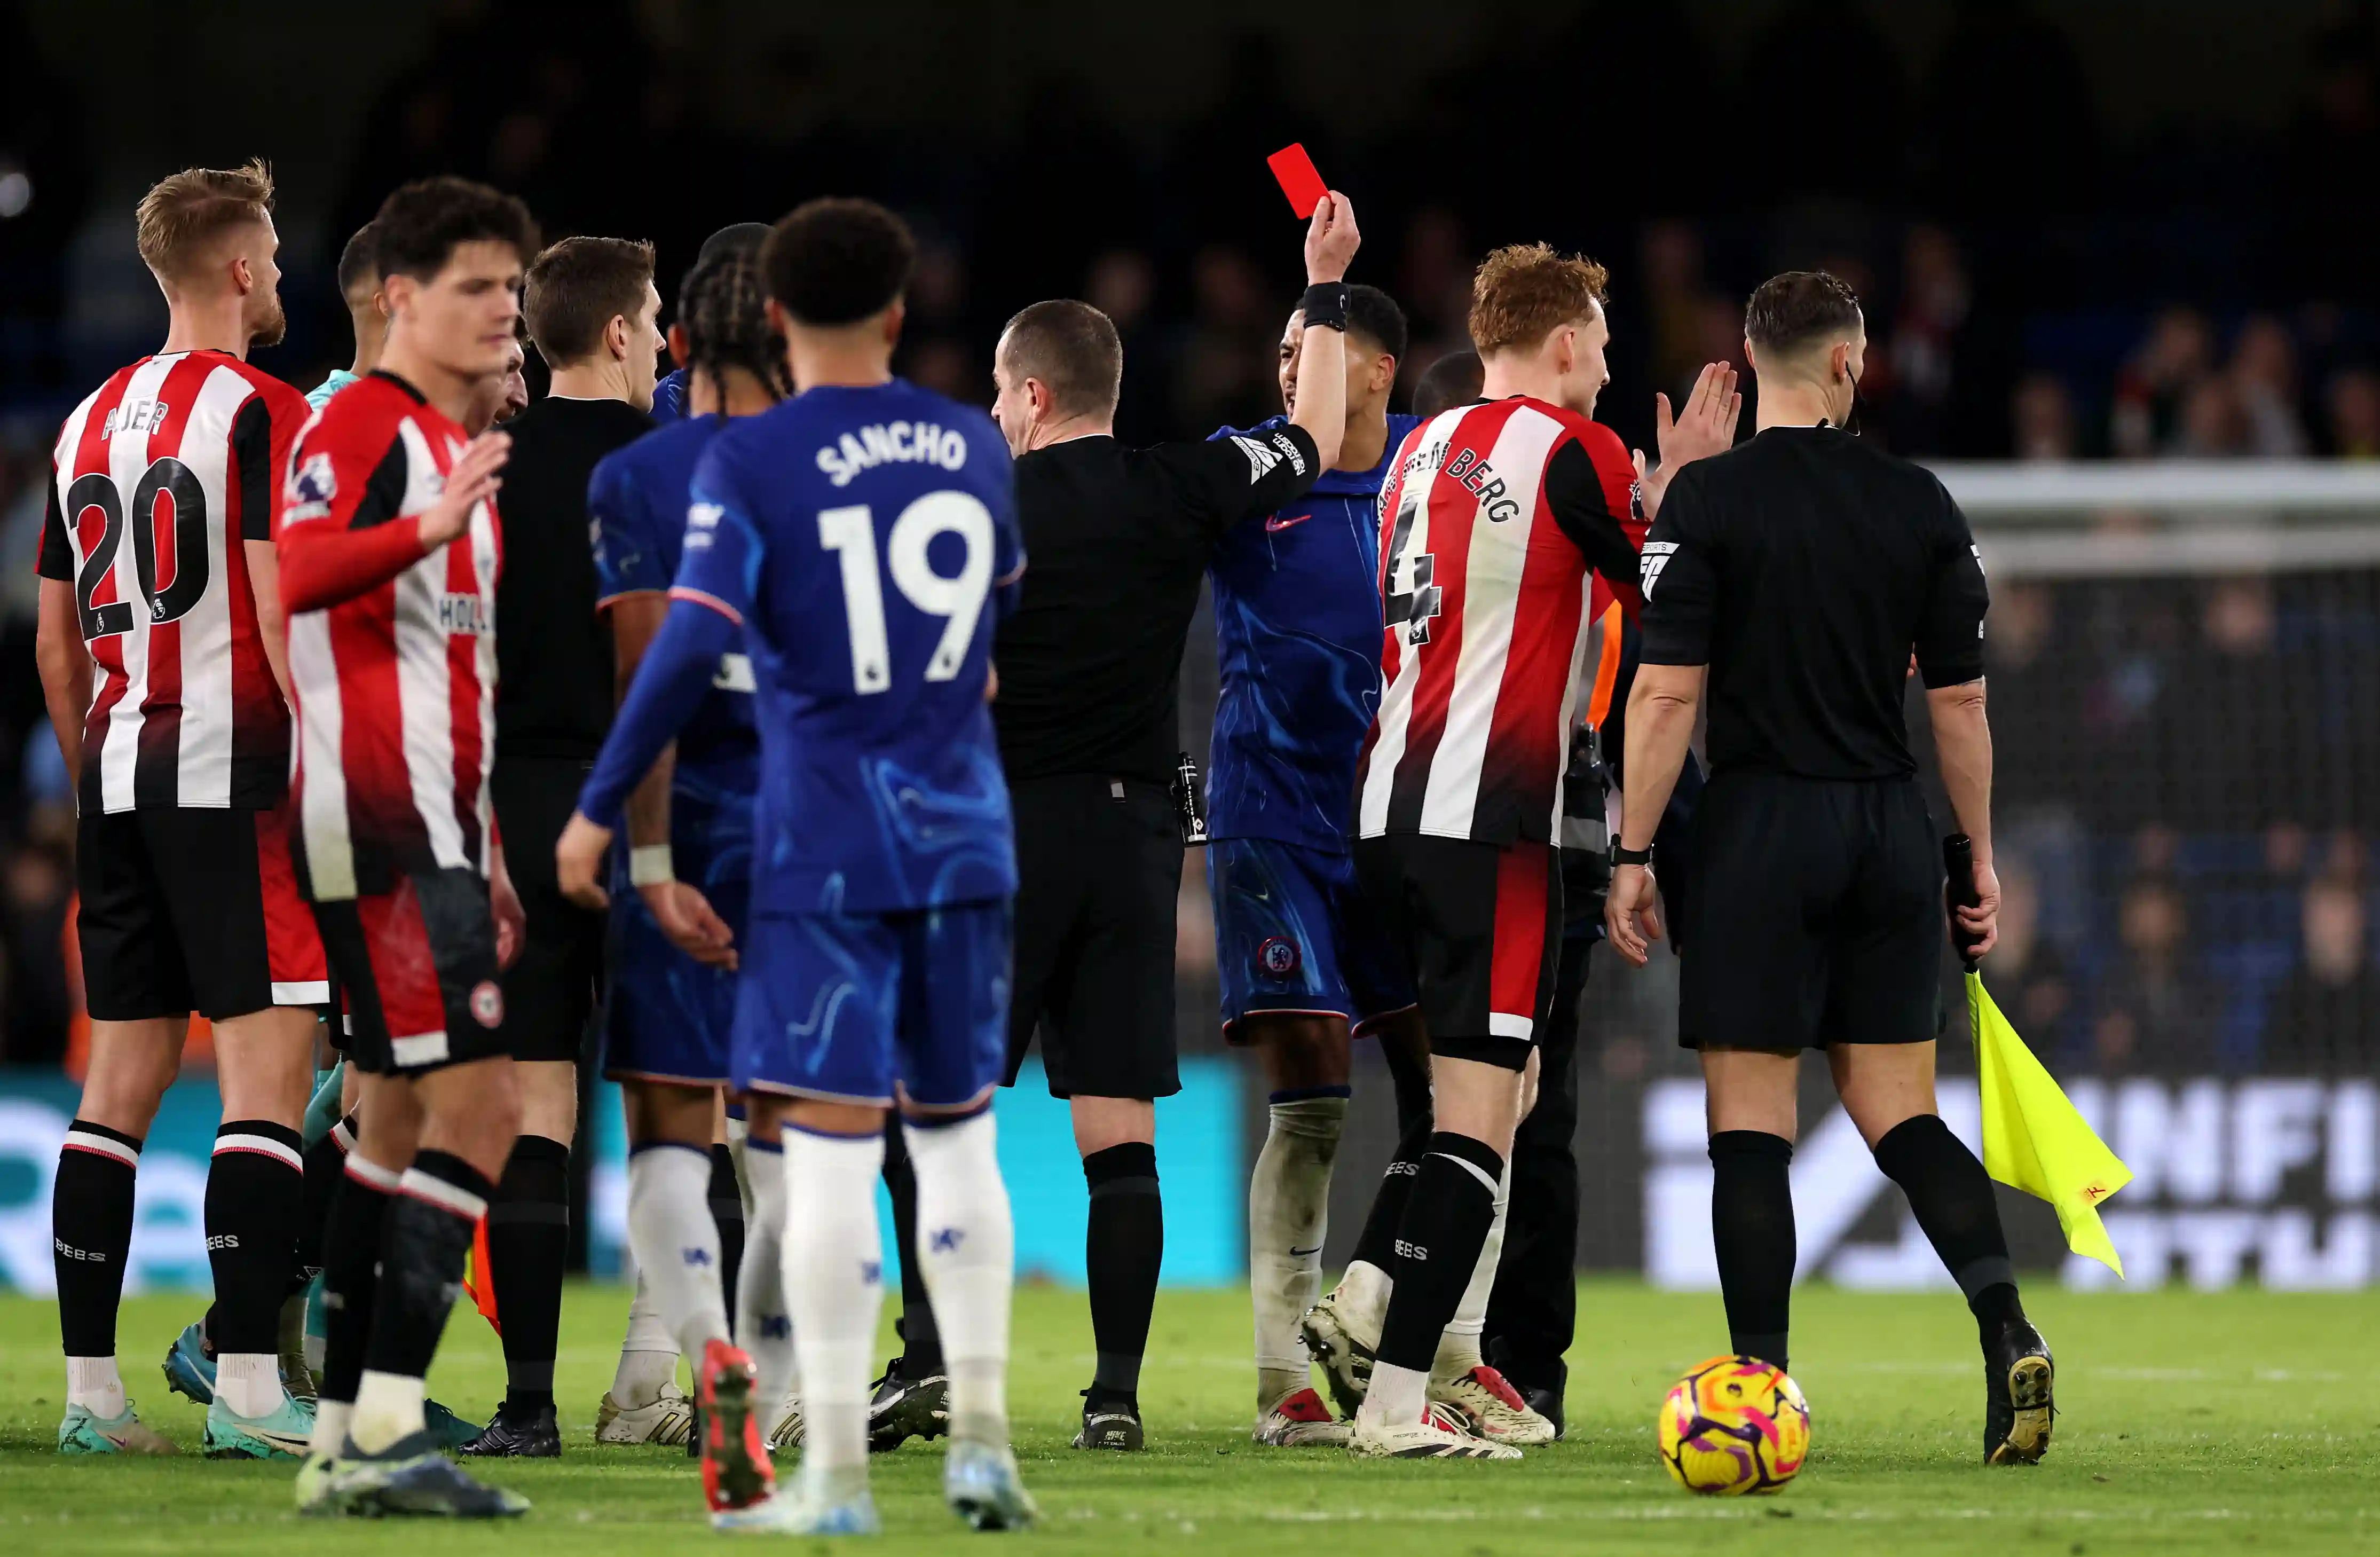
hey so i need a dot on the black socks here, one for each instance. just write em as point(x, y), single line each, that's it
point(1124, 1247)
point(921, 1338)
point(1449, 1207)
point(727, 1210)
point(1751, 1229)
point(351, 1245)
point(529, 1243)
point(1376, 1244)
point(256, 1186)
point(90, 1223)
point(326, 1164)
point(1952, 1196)
point(430, 1222)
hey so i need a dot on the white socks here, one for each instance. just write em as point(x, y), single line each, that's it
point(388, 1406)
point(676, 1242)
point(967, 1251)
point(648, 1352)
point(1458, 1349)
point(762, 1327)
point(332, 1419)
point(93, 1384)
point(1288, 1202)
point(1395, 1399)
point(248, 1383)
point(834, 1283)
point(1363, 1299)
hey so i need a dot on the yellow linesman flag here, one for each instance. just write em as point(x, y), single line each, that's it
point(2035, 1139)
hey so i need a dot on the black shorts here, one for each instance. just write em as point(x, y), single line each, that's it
point(418, 966)
point(1099, 865)
point(1815, 916)
point(185, 909)
point(1480, 927)
point(550, 991)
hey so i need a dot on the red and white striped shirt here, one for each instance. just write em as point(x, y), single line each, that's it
point(392, 653)
point(156, 481)
point(1491, 519)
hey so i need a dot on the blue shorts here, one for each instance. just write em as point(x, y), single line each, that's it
point(667, 1017)
point(908, 1007)
point(1294, 934)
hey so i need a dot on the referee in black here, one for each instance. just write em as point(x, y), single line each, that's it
point(590, 307)
point(1787, 584)
point(1116, 542)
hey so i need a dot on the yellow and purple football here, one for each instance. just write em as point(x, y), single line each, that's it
point(1734, 1425)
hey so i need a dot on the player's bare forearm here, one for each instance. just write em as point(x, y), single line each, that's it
point(648, 811)
point(65, 663)
point(1322, 392)
point(271, 625)
point(1962, 744)
point(1660, 726)
point(1331, 239)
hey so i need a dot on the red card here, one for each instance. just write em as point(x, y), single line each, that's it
point(1298, 180)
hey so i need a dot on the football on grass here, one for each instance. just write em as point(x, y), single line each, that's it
point(1734, 1425)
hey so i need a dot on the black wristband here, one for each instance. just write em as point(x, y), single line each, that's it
point(1630, 857)
point(1325, 306)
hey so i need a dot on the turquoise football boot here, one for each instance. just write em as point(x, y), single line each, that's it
point(84, 1432)
point(280, 1434)
point(322, 1108)
point(189, 1366)
point(790, 1514)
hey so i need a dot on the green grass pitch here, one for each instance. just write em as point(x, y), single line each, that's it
point(2241, 1421)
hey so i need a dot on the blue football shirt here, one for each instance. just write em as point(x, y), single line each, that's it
point(1297, 634)
point(866, 540)
point(636, 502)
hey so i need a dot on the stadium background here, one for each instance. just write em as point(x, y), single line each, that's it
point(2119, 260)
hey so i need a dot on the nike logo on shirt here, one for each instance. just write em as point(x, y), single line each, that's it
point(1279, 522)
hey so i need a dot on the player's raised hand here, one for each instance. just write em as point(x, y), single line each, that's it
point(693, 926)
point(472, 481)
point(1706, 427)
point(1330, 239)
point(579, 859)
point(1631, 913)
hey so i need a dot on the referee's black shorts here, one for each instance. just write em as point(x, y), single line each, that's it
point(1814, 916)
point(550, 990)
point(1099, 866)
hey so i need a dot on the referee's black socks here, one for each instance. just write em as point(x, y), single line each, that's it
point(921, 1337)
point(727, 1212)
point(1123, 1248)
point(1447, 1216)
point(1752, 1230)
point(1952, 1196)
point(529, 1243)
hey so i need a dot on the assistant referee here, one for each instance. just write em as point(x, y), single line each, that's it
point(1786, 583)
point(1116, 542)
